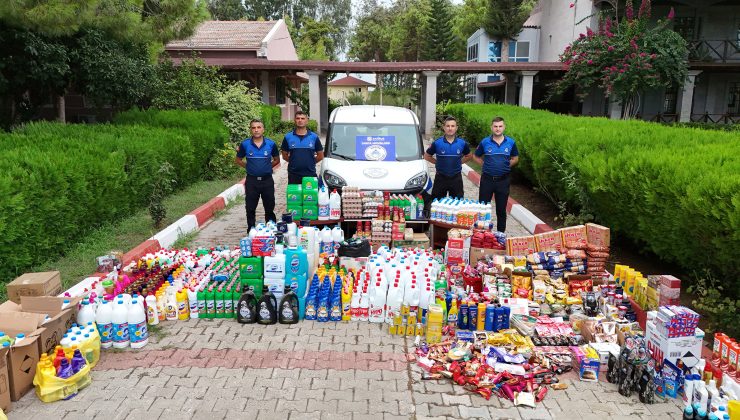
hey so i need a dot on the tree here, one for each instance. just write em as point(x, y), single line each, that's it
point(443, 45)
point(469, 17)
point(625, 59)
point(314, 41)
point(371, 38)
point(267, 9)
point(227, 9)
point(504, 20)
point(191, 85)
point(59, 25)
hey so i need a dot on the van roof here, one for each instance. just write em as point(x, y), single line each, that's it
point(373, 114)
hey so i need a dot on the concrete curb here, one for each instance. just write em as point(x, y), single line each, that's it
point(191, 222)
point(520, 213)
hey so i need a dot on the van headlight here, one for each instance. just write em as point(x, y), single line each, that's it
point(333, 179)
point(417, 181)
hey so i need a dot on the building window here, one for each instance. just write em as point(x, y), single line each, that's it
point(470, 89)
point(733, 103)
point(669, 101)
point(688, 27)
point(493, 77)
point(519, 51)
point(473, 52)
point(494, 51)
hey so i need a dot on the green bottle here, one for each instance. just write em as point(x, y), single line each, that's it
point(219, 298)
point(228, 303)
point(201, 295)
point(210, 304)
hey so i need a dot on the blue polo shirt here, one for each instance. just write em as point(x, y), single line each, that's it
point(497, 157)
point(302, 150)
point(259, 159)
point(449, 155)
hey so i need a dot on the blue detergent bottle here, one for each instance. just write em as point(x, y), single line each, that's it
point(335, 306)
point(313, 294)
point(322, 308)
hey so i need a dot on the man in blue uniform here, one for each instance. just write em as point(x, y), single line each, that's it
point(499, 154)
point(448, 153)
point(302, 149)
point(261, 156)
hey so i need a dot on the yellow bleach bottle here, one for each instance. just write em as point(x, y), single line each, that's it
point(183, 308)
point(347, 285)
point(434, 323)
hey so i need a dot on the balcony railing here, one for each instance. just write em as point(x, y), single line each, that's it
point(700, 118)
point(714, 50)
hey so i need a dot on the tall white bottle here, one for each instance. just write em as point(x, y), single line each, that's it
point(193, 302)
point(137, 328)
point(394, 301)
point(335, 206)
point(152, 312)
point(104, 320)
point(324, 208)
point(86, 314)
point(377, 303)
point(120, 325)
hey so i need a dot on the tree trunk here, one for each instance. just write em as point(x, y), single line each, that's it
point(505, 50)
point(631, 106)
point(61, 109)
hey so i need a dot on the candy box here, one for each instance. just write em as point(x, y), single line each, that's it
point(587, 368)
point(573, 234)
point(548, 241)
point(597, 235)
point(522, 245)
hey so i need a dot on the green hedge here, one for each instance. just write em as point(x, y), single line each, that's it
point(674, 191)
point(271, 116)
point(58, 182)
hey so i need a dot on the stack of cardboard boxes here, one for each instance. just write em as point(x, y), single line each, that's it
point(34, 310)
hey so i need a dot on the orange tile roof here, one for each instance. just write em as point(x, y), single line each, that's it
point(214, 34)
point(350, 81)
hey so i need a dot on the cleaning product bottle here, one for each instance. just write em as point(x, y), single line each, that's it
point(335, 306)
point(192, 302)
point(59, 355)
point(247, 308)
point(324, 207)
point(337, 237)
point(394, 301)
point(464, 316)
point(170, 309)
point(701, 396)
point(688, 413)
point(78, 361)
point(65, 369)
point(322, 307)
point(119, 320)
point(481, 324)
point(228, 303)
point(161, 305)
point(288, 313)
point(235, 295)
point(138, 332)
point(104, 321)
point(327, 244)
point(152, 316)
point(452, 316)
point(472, 316)
point(364, 304)
point(267, 309)
point(347, 285)
point(210, 303)
point(201, 295)
point(377, 304)
point(354, 305)
point(218, 299)
point(335, 206)
point(312, 297)
point(490, 318)
point(86, 313)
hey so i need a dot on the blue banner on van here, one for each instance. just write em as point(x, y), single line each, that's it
point(375, 148)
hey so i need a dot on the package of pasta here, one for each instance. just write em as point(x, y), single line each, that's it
point(575, 253)
point(598, 254)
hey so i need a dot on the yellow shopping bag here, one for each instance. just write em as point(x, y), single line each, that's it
point(50, 388)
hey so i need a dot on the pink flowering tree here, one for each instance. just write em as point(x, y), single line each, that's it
point(625, 58)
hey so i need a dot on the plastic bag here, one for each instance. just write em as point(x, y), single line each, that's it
point(355, 248)
point(50, 388)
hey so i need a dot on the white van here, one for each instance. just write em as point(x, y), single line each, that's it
point(374, 148)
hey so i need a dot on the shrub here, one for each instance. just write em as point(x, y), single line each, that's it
point(239, 105)
point(673, 191)
point(271, 115)
point(188, 86)
point(58, 182)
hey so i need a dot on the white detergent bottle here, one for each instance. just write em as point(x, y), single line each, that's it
point(412, 296)
point(327, 244)
point(394, 300)
point(193, 302)
point(701, 396)
point(377, 303)
point(712, 396)
point(104, 320)
point(323, 204)
point(137, 328)
point(337, 236)
point(364, 305)
point(335, 206)
point(120, 325)
point(274, 266)
point(170, 303)
point(152, 314)
point(86, 314)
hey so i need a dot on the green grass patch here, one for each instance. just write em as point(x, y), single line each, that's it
point(126, 233)
point(473, 164)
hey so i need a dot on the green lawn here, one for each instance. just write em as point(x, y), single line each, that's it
point(473, 164)
point(125, 234)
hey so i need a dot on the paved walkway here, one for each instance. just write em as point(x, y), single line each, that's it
point(218, 369)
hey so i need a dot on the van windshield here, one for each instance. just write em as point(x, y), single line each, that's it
point(374, 142)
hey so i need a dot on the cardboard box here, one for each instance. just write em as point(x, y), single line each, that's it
point(587, 369)
point(48, 283)
point(597, 235)
point(22, 359)
point(419, 240)
point(606, 349)
point(548, 241)
point(60, 319)
point(522, 245)
point(573, 234)
point(481, 253)
point(4, 381)
point(688, 349)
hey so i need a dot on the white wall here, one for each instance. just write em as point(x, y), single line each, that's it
point(280, 45)
point(557, 26)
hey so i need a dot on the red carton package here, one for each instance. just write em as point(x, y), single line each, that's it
point(573, 234)
point(670, 282)
point(597, 235)
point(523, 245)
point(548, 241)
point(456, 243)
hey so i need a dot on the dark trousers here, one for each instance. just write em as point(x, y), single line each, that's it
point(254, 188)
point(498, 187)
point(444, 184)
